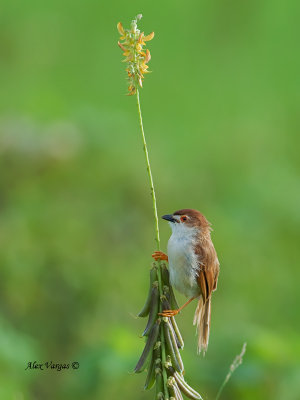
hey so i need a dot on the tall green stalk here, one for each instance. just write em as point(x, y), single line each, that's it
point(157, 238)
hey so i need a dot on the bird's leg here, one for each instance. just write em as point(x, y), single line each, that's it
point(171, 313)
point(159, 255)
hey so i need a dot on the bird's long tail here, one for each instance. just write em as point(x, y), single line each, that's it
point(202, 322)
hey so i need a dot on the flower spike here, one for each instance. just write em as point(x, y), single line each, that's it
point(131, 43)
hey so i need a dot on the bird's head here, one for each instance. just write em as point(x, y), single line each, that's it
point(187, 218)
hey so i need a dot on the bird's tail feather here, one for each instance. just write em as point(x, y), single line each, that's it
point(202, 322)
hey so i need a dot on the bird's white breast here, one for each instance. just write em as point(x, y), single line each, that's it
point(183, 263)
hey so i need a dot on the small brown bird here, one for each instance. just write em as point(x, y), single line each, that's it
point(193, 266)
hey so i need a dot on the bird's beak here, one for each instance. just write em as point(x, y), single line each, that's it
point(169, 217)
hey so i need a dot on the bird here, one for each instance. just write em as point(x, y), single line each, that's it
point(193, 266)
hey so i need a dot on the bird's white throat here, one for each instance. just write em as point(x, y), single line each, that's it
point(183, 231)
point(183, 262)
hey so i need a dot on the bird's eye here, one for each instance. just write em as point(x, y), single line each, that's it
point(183, 218)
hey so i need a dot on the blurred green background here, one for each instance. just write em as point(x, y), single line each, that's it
point(221, 114)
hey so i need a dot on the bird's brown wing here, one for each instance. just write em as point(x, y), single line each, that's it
point(208, 267)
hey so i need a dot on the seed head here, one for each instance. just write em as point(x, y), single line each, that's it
point(132, 42)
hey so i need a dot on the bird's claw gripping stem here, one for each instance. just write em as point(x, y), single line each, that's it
point(159, 255)
point(172, 313)
point(169, 313)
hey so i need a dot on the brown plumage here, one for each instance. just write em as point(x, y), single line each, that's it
point(207, 280)
point(194, 266)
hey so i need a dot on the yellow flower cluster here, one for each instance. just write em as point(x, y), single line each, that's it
point(136, 58)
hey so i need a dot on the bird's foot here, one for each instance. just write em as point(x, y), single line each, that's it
point(169, 313)
point(159, 255)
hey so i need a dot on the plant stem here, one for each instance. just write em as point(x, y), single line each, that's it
point(157, 239)
point(162, 335)
point(221, 389)
point(235, 364)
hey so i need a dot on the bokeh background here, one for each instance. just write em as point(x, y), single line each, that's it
point(221, 114)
